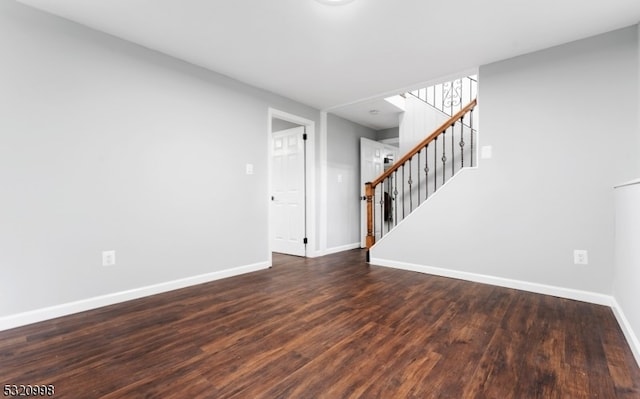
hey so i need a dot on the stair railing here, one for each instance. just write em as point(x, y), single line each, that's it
point(419, 173)
point(449, 97)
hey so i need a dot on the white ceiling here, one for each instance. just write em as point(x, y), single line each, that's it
point(330, 56)
point(375, 113)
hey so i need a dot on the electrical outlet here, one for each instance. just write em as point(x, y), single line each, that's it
point(580, 257)
point(108, 258)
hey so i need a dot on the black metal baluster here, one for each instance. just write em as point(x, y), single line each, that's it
point(452, 98)
point(395, 197)
point(474, 88)
point(453, 149)
point(435, 167)
point(382, 199)
point(471, 140)
point(387, 202)
point(434, 97)
point(462, 142)
point(426, 172)
point(410, 182)
point(373, 214)
point(403, 192)
point(418, 173)
point(444, 157)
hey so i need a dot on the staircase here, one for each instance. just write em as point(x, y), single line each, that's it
point(430, 164)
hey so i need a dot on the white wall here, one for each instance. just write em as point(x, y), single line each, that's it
point(279, 124)
point(105, 145)
point(390, 133)
point(627, 251)
point(417, 122)
point(562, 129)
point(343, 181)
point(627, 262)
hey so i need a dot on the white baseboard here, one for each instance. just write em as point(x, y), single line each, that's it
point(632, 338)
point(341, 248)
point(584, 296)
point(34, 316)
point(569, 293)
point(333, 250)
point(315, 254)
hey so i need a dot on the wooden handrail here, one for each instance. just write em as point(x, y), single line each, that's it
point(423, 143)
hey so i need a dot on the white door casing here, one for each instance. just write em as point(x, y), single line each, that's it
point(288, 192)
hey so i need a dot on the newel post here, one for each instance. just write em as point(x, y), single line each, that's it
point(368, 192)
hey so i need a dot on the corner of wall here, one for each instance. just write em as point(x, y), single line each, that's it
point(627, 330)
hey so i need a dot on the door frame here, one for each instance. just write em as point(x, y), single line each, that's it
point(310, 181)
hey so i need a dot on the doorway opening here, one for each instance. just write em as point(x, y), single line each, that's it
point(291, 184)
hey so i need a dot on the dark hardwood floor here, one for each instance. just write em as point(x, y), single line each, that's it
point(331, 327)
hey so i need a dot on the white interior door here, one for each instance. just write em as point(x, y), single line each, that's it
point(288, 192)
point(372, 157)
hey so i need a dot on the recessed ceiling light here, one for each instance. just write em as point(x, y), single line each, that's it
point(334, 2)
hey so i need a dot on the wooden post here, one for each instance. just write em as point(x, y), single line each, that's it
point(368, 192)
